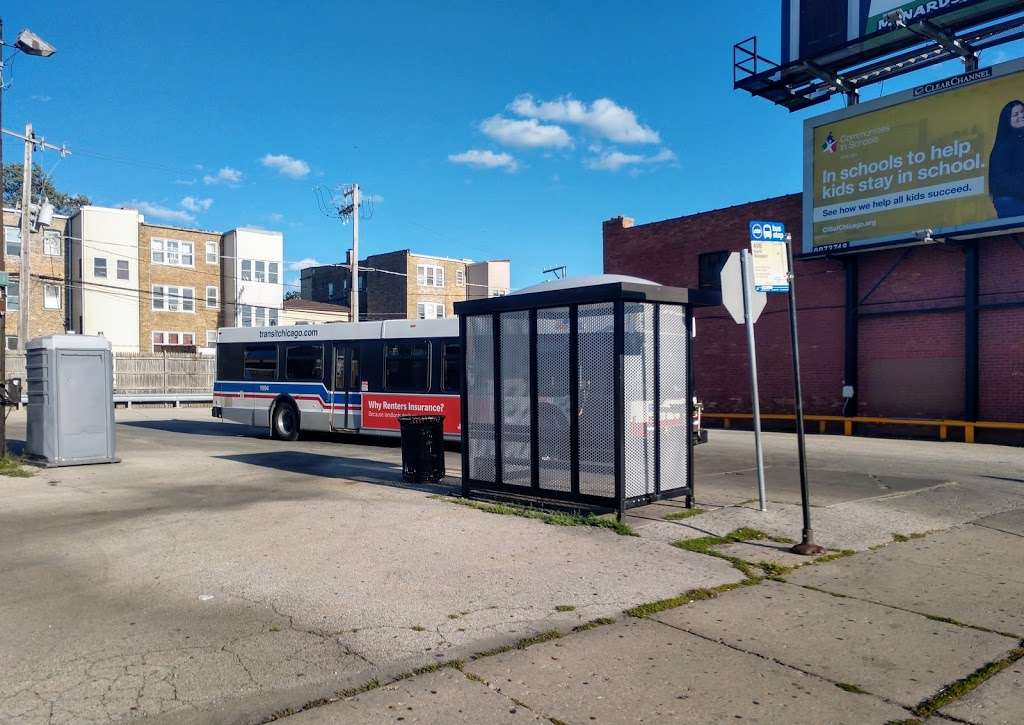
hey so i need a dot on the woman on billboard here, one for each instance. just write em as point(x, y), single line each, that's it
point(1006, 163)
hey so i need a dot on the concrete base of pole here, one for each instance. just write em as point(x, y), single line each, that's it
point(807, 547)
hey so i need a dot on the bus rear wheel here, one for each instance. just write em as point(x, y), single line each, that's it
point(284, 423)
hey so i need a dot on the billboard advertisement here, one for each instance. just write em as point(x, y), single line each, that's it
point(380, 411)
point(943, 159)
point(815, 28)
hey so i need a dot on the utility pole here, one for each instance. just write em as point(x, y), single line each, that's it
point(3, 267)
point(354, 299)
point(25, 274)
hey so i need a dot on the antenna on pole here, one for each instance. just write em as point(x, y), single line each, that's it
point(559, 272)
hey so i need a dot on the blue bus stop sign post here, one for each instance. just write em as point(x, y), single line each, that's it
point(772, 252)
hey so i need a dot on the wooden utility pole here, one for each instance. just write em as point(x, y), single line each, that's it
point(25, 273)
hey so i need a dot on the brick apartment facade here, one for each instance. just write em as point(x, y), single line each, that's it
point(907, 313)
point(48, 269)
point(407, 285)
point(182, 272)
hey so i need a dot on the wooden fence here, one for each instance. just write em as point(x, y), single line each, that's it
point(145, 372)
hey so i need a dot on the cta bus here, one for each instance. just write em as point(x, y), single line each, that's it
point(360, 377)
point(340, 376)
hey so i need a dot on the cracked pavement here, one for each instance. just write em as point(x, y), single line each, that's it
point(218, 576)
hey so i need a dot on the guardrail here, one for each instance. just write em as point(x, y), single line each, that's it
point(969, 426)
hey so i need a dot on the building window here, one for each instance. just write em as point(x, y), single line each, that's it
point(709, 269)
point(260, 274)
point(212, 300)
point(172, 252)
point(272, 317)
point(460, 277)
point(122, 269)
point(172, 338)
point(12, 241)
point(430, 310)
point(51, 296)
point(212, 253)
point(405, 366)
point(13, 295)
point(246, 270)
point(99, 267)
point(12, 342)
point(51, 243)
point(304, 362)
point(211, 338)
point(245, 311)
point(272, 272)
point(260, 362)
point(330, 290)
point(174, 299)
point(429, 275)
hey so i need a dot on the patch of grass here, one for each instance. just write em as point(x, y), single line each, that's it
point(554, 518)
point(13, 466)
point(706, 545)
point(365, 687)
point(851, 688)
point(833, 555)
point(901, 538)
point(593, 624)
point(274, 628)
point(418, 628)
point(434, 667)
point(773, 569)
point(565, 608)
point(683, 514)
point(694, 595)
point(521, 644)
point(961, 687)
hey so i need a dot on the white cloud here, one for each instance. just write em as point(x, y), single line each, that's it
point(41, 97)
point(529, 133)
point(197, 205)
point(185, 182)
point(286, 165)
point(302, 264)
point(603, 117)
point(613, 160)
point(275, 216)
point(226, 175)
point(158, 211)
point(485, 159)
point(373, 198)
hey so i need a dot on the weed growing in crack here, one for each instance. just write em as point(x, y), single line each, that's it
point(683, 514)
point(554, 518)
point(961, 687)
point(565, 608)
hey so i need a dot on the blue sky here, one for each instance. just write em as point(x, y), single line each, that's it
point(483, 130)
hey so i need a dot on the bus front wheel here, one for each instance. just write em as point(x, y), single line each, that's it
point(284, 423)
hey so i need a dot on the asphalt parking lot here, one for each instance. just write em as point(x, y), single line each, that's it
point(217, 575)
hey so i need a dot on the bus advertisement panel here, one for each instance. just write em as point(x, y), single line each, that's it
point(381, 410)
point(943, 159)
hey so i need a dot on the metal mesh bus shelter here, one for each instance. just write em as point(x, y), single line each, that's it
point(580, 391)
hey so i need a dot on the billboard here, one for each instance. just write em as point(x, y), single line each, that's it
point(943, 159)
point(815, 28)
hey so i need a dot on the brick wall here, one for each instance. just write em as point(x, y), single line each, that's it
point(911, 328)
point(46, 270)
point(200, 275)
point(447, 295)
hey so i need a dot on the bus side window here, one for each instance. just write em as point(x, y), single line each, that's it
point(451, 371)
point(406, 366)
point(304, 362)
point(260, 362)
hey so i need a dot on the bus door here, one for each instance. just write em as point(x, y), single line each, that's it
point(347, 379)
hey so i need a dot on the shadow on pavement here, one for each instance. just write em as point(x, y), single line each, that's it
point(363, 470)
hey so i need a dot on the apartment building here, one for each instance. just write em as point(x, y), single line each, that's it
point(308, 312)
point(408, 285)
point(252, 272)
point(103, 274)
point(47, 250)
point(180, 283)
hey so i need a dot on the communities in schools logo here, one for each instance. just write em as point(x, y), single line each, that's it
point(829, 146)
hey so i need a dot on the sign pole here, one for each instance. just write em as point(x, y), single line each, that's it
point(807, 547)
point(749, 321)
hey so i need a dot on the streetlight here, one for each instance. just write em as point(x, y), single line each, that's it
point(30, 44)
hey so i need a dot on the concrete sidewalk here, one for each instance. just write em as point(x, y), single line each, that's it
point(923, 628)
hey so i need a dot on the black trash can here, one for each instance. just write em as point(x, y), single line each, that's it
point(422, 448)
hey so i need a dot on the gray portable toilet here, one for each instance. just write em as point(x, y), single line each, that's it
point(70, 400)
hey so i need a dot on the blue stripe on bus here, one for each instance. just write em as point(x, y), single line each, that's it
point(319, 389)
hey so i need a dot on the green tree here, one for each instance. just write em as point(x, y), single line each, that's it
point(41, 186)
point(292, 295)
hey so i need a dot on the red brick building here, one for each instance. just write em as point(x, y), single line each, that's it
point(929, 331)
